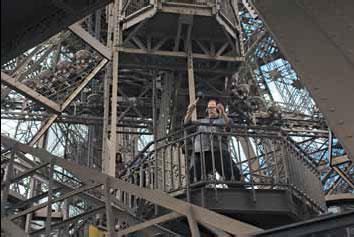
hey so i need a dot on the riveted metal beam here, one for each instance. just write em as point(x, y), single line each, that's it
point(316, 37)
point(90, 40)
point(143, 225)
point(88, 175)
point(315, 226)
point(67, 102)
point(30, 93)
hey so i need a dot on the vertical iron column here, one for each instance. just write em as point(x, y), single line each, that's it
point(114, 98)
point(109, 213)
point(191, 82)
point(106, 96)
point(154, 123)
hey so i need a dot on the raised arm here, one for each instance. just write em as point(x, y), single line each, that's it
point(190, 109)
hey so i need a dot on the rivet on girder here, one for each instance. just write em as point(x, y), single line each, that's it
point(341, 122)
point(332, 109)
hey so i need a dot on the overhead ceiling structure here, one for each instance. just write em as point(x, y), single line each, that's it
point(25, 24)
point(93, 102)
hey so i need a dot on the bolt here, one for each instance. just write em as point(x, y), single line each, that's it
point(341, 122)
point(332, 109)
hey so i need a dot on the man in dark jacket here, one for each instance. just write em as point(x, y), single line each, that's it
point(211, 150)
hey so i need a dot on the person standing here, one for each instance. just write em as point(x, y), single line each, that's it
point(215, 150)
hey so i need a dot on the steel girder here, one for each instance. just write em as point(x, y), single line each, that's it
point(37, 22)
point(315, 227)
point(316, 37)
point(91, 177)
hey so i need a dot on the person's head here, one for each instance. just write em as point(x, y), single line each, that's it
point(211, 109)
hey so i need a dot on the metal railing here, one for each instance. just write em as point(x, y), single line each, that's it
point(303, 176)
point(253, 158)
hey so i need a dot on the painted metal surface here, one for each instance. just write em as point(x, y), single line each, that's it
point(320, 53)
point(93, 177)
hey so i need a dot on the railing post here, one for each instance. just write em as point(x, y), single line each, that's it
point(187, 165)
point(179, 167)
point(221, 159)
point(154, 118)
point(171, 167)
point(231, 161)
point(250, 168)
point(195, 179)
point(213, 156)
point(164, 169)
point(203, 173)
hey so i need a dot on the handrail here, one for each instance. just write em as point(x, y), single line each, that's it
point(282, 162)
point(188, 127)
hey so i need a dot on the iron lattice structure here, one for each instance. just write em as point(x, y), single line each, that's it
point(105, 98)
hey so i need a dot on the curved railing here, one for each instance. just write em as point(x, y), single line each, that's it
point(276, 164)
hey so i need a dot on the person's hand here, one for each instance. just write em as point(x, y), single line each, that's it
point(220, 108)
point(192, 106)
